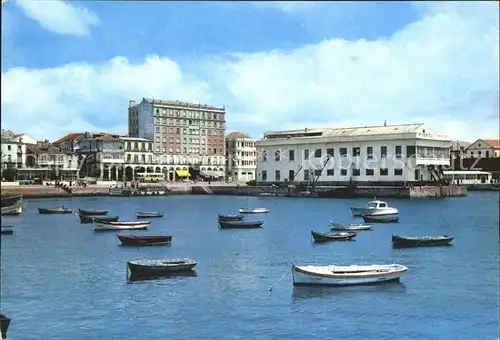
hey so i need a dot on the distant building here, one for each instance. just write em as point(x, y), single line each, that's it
point(484, 148)
point(193, 134)
point(388, 155)
point(459, 149)
point(241, 157)
point(14, 149)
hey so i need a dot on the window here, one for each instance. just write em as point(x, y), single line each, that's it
point(369, 152)
point(355, 172)
point(157, 129)
point(329, 172)
point(398, 151)
point(330, 152)
point(306, 155)
point(8, 147)
point(343, 172)
point(277, 175)
point(398, 172)
point(264, 175)
point(383, 151)
point(264, 155)
point(479, 153)
point(356, 151)
point(410, 150)
point(317, 172)
point(487, 154)
point(291, 175)
point(369, 172)
point(384, 172)
point(317, 153)
point(291, 155)
point(306, 175)
point(343, 151)
point(277, 155)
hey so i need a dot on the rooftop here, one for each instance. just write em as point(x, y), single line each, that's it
point(68, 137)
point(237, 135)
point(353, 131)
point(493, 142)
point(51, 149)
point(137, 139)
point(178, 103)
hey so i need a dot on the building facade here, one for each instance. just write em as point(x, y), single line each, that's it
point(365, 155)
point(101, 155)
point(241, 156)
point(484, 148)
point(185, 131)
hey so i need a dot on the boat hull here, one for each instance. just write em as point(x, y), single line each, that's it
point(148, 215)
point(130, 240)
point(101, 226)
point(401, 241)
point(381, 218)
point(254, 210)
point(16, 209)
point(343, 236)
point(305, 277)
point(7, 230)
point(11, 200)
point(93, 213)
point(150, 270)
point(231, 217)
point(4, 325)
point(349, 227)
point(240, 224)
point(54, 211)
point(98, 218)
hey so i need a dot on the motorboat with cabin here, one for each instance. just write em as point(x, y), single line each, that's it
point(373, 206)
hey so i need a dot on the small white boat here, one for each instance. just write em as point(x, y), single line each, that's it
point(349, 226)
point(346, 275)
point(372, 206)
point(381, 216)
point(254, 210)
point(102, 225)
point(15, 209)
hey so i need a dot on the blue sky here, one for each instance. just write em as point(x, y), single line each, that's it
point(273, 64)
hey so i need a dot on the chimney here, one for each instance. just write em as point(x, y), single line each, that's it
point(385, 122)
point(305, 129)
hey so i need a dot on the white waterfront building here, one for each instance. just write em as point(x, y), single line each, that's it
point(241, 157)
point(387, 155)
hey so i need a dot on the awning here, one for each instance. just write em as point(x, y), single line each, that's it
point(182, 173)
point(215, 174)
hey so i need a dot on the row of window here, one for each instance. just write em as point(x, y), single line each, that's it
point(188, 114)
point(202, 123)
point(330, 152)
point(196, 151)
point(329, 172)
point(239, 163)
point(192, 131)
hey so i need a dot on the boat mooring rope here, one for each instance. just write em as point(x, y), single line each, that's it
point(282, 276)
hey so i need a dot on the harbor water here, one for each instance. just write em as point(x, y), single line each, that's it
point(62, 280)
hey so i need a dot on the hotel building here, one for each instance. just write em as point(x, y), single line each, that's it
point(193, 133)
point(385, 155)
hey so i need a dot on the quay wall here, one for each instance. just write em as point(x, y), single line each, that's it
point(243, 190)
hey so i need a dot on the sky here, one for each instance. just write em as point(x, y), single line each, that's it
point(74, 66)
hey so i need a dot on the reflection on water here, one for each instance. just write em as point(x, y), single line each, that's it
point(136, 278)
point(311, 292)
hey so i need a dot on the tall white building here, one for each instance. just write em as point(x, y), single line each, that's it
point(241, 157)
point(14, 149)
point(388, 154)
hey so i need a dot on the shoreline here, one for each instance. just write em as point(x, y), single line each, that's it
point(40, 192)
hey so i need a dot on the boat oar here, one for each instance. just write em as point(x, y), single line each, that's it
point(282, 276)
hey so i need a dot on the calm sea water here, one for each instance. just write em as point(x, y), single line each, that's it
point(60, 280)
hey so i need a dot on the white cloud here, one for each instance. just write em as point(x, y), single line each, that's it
point(442, 70)
point(60, 16)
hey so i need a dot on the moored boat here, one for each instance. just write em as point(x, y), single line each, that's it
point(16, 209)
point(231, 217)
point(349, 226)
point(159, 267)
point(132, 240)
point(254, 210)
point(240, 224)
point(4, 325)
point(346, 275)
point(102, 225)
point(324, 237)
point(381, 216)
point(60, 210)
point(8, 201)
point(98, 218)
point(422, 241)
point(371, 207)
point(7, 229)
point(92, 212)
point(151, 214)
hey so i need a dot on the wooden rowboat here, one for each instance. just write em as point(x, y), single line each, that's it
point(92, 212)
point(165, 267)
point(102, 225)
point(98, 218)
point(324, 237)
point(424, 241)
point(231, 217)
point(151, 214)
point(240, 224)
point(16, 209)
point(8, 201)
point(132, 240)
point(60, 210)
point(346, 275)
point(350, 227)
point(4, 325)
